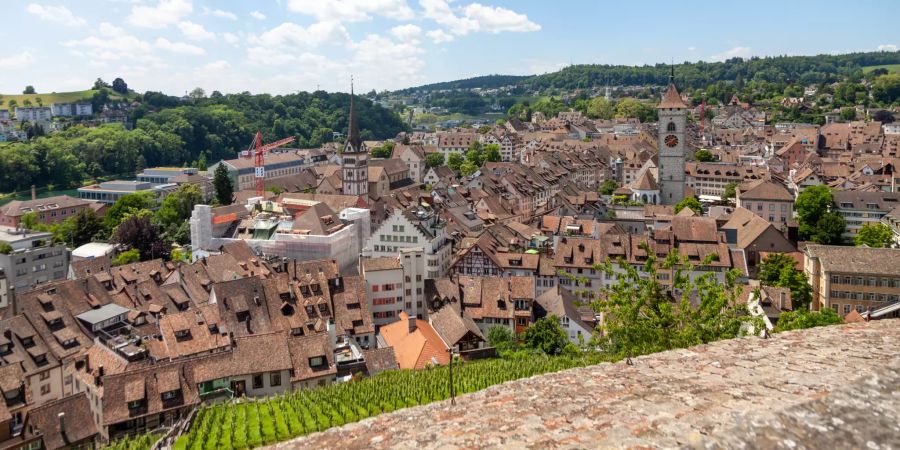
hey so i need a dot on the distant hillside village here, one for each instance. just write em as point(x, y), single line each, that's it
point(365, 256)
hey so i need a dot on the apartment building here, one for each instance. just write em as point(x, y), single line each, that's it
point(33, 258)
point(767, 199)
point(852, 278)
point(859, 208)
point(417, 227)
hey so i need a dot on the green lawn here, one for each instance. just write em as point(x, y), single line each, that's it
point(53, 97)
point(892, 68)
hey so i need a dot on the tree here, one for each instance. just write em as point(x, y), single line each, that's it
point(780, 270)
point(483, 129)
point(884, 116)
point(886, 88)
point(608, 187)
point(176, 208)
point(197, 94)
point(434, 159)
point(875, 235)
point(12, 104)
point(381, 152)
point(848, 114)
point(128, 205)
point(804, 318)
point(455, 160)
point(26, 103)
point(29, 221)
point(139, 232)
point(39, 101)
point(730, 190)
point(29, 90)
point(85, 227)
point(546, 335)
point(99, 84)
point(689, 202)
point(829, 229)
point(703, 155)
point(629, 107)
point(810, 206)
point(468, 168)
point(492, 153)
point(127, 257)
point(201, 162)
point(601, 108)
point(223, 185)
point(641, 317)
point(5, 248)
point(120, 86)
point(500, 337)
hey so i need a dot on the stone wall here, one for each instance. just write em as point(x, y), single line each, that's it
point(830, 387)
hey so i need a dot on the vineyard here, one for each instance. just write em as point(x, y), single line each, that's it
point(142, 442)
point(252, 424)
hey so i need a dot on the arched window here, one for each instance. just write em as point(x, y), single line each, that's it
point(671, 127)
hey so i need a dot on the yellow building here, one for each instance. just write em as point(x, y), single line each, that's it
point(848, 278)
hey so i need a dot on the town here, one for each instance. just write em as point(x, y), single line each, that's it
point(285, 280)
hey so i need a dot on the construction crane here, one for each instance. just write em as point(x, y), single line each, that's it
point(258, 150)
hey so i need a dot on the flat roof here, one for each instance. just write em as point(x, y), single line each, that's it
point(93, 250)
point(11, 235)
point(102, 313)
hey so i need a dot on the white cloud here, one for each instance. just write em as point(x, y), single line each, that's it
point(216, 66)
point(476, 17)
point(736, 52)
point(163, 14)
point(17, 61)
point(230, 38)
point(179, 47)
point(195, 31)
point(352, 10)
point(224, 14)
point(495, 19)
point(58, 14)
point(257, 15)
point(408, 32)
point(692, 49)
point(887, 48)
point(108, 29)
point(103, 47)
point(439, 36)
point(290, 34)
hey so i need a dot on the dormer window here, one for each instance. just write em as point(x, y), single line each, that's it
point(5, 349)
point(323, 309)
point(317, 361)
point(27, 342)
point(170, 395)
point(135, 404)
point(310, 311)
point(182, 335)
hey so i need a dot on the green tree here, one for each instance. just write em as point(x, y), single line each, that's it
point(381, 152)
point(29, 90)
point(435, 159)
point(176, 208)
point(829, 229)
point(640, 317)
point(689, 202)
point(201, 162)
point(703, 155)
point(875, 235)
point(127, 257)
point(197, 94)
point(455, 160)
point(630, 107)
point(730, 190)
point(848, 114)
point(886, 88)
point(138, 231)
point(39, 101)
point(500, 337)
point(804, 318)
point(484, 129)
point(120, 86)
point(128, 205)
point(780, 270)
point(5, 248)
point(492, 153)
point(468, 168)
point(223, 185)
point(85, 227)
point(29, 221)
point(601, 108)
point(810, 206)
point(608, 187)
point(546, 335)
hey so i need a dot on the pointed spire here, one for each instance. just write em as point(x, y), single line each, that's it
point(353, 133)
point(672, 74)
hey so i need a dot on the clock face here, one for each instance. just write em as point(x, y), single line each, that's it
point(671, 140)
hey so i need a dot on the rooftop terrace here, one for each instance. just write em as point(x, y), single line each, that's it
point(831, 387)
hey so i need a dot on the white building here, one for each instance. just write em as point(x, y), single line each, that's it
point(33, 114)
point(418, 228)
point(388, 291)
point(71, 109)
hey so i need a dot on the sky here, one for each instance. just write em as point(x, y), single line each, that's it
point(284, 46)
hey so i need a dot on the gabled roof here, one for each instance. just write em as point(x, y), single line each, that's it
point(765, 190)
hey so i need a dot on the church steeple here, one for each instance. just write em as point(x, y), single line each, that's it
point(353, 132)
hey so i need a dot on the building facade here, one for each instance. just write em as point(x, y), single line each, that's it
point(852, 278)
point(354, 159)
point(671, 141)
point(33, 258)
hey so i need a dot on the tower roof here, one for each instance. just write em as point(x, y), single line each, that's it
point(353, 133)
point(672, 99)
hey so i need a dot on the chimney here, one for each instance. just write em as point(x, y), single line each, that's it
point(412, 324)
point(62, 425)
point(33, 192)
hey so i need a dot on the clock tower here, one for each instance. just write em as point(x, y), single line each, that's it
point(354, 158)
point(672, 129)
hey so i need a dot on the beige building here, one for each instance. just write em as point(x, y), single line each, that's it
point(852, 278)
point(767, 199)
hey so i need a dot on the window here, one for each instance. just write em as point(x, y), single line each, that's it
point(847, 309)
point(45, 375)
point(275, 379)
point(316, 361)
point(45, 389)
point(169, 395)
point(257, 381)
point(835, 307)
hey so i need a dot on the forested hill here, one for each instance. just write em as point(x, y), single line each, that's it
point(483, 82)
point(169, 131)
point(697, 75)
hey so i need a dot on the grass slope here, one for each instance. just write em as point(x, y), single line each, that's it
point(55, 97)
point(892, 68)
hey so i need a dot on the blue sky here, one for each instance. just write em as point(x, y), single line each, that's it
point(282, 46)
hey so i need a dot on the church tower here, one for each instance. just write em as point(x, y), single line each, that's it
point(354, 158)
point(672, 128)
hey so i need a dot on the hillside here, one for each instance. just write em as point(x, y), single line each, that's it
point(695, 75)
point(55, 97)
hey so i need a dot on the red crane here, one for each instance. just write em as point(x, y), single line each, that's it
point(258, 150)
